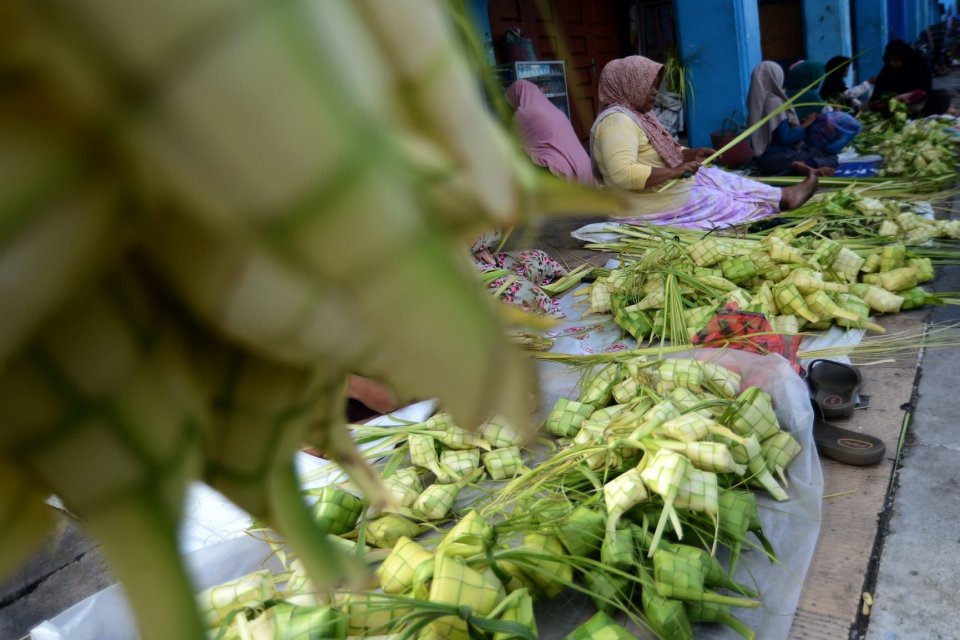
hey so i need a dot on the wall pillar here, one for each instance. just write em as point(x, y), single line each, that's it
point(870, 36)
point(826, 29)
point(720, 68)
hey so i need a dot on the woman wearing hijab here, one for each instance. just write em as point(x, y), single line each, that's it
point(547, 134)
point(799, 78)
point(905, 75)
point(779, 145)
point(634, 155)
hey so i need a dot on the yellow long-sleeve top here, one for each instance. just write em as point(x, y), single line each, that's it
point(626, 158)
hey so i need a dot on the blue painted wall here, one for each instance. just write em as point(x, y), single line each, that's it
point(896, 20)
point(870, 37)
point(826, 29)
point(719, 66)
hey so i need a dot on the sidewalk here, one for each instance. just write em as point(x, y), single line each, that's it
point(915, 581)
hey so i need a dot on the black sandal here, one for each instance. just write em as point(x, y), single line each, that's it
point(845, 445)
point(833, 387)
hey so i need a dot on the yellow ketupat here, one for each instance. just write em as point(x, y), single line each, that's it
point(213, 213)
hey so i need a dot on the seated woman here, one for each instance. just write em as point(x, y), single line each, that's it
point(834, 88)
point(636, 156)
point(546, 133)
point(550, 141)
point(799, 78)
point(905, 75)
point(779, 145)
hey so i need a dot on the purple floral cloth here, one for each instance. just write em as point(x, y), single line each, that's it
point(718, 199)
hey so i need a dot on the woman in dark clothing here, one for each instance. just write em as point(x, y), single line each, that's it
point(779, 145)
point(835, 90)
point(905, 72)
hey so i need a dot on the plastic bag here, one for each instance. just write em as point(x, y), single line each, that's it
point(832, 131)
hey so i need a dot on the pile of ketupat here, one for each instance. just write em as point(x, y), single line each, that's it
point(916, 148)
point(808, 275)
point(653, 469)
point(212, 214)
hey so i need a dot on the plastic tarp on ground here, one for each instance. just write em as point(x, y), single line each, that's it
point(214, 542)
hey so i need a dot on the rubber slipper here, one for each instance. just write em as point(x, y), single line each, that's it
point(834, 387)
point(844, 445)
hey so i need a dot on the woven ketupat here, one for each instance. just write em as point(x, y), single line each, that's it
point(436, 501)
point(779, 450)
point(370, 614)
point(455, 583)
point(467, 537)
point(600, 627)
point(395, 574)
point(566, 417)
point(423, 451)
point(502, 463)
point(622, 494)
point(407, 477)
point(291, 621)
point(457, 463)
point(251, 590)
point(499, 433)
point(753, 413)
point(385, 531)
point(402, 493)
point(699, 492)
point(688, 427)
point(549, 577)
point(337, 511)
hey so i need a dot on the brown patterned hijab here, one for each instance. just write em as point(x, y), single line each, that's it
point(627, 83)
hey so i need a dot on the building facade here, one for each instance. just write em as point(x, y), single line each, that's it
point(717, 42)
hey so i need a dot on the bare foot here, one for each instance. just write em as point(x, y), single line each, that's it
point(795, 195)
point(826, 172)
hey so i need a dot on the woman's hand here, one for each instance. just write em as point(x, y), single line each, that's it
point(697, 155)
point(687, 169)
point(809, 120)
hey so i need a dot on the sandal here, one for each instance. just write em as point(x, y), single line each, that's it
point(834, 387)
point(844, 445)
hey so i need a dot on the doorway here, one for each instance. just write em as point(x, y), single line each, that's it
point(585, 34)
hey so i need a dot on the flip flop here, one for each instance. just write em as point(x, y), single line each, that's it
point(844, 445)
point(834, 387)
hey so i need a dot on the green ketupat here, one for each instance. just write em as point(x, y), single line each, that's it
point(202, 171)
point(395, 574)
